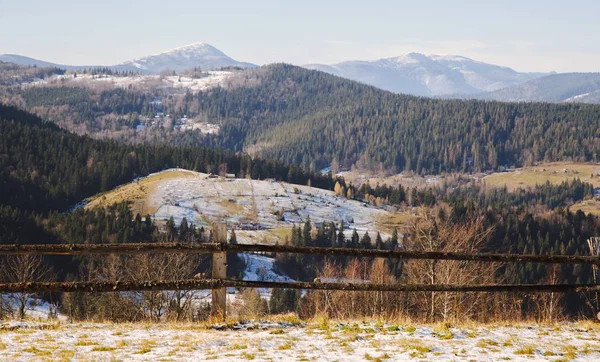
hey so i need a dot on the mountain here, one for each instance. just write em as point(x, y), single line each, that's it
point(428, 75)
point(179, 59)
point(566, 87)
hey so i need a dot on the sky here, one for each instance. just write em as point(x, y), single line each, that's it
point(526, 35)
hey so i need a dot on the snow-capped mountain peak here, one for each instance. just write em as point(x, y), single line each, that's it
point(193, 49)
point(199, 54)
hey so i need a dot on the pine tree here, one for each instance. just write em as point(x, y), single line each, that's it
point(341, 239)
point(365, 241)
point(306, 233)
point(171, 229)
point(331, 238)
point(354, 240)
point(183, 229)
point(232, 237)
point(394, 239)
point(379, 242)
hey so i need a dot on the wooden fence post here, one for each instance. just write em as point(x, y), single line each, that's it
point(219, 271)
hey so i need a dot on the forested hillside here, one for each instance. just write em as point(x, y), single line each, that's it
point(44, 168)
point(312, 118)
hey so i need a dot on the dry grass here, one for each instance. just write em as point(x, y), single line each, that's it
point(136, 192)
point(587, 206)
point(526, 350)
point(38, 352)
point(393, 220)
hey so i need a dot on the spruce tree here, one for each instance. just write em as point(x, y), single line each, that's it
point(341, 239)
point(365, 241)
point(306, 233)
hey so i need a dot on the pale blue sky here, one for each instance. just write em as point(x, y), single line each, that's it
point(525, 35)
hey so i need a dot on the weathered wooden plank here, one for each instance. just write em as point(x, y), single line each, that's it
point(121, 286)
point(126, 248)
point(191, 284)
point(139, 248)
point(219, 271)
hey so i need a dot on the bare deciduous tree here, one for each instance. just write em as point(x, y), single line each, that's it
point(22, 269)
point(429, 234)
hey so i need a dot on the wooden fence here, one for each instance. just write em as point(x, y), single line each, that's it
point(219, 282)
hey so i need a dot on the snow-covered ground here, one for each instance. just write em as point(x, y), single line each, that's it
point(260, 267)
point(253, 207)
point(214, 78)
point(324, 341)
point(36, 308)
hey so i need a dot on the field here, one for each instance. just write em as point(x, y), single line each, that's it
point(587, 206)
point(554, 172)
point(409, 180)
point(288, 339)
point(259, 211)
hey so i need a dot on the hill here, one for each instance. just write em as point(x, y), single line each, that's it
point(316, 120)
point(43, 167)
point(256, 209)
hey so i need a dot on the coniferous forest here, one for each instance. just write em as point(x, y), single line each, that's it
point(314, 119)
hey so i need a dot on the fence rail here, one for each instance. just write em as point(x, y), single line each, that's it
point(214, 284)
point(210, 248)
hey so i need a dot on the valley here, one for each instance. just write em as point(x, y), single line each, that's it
point(414, 162)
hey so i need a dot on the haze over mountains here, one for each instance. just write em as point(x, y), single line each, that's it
point(429, 75)
point(200, 55)
point(446, 76)
point(566, 87)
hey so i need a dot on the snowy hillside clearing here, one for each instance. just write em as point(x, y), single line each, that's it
point(323, 341)
point(259, 210)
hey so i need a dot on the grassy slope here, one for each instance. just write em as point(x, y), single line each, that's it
point(553, 172)
point(136, 192)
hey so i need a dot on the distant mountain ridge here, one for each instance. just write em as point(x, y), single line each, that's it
point(429, 75)
point(178, 59)
point(556, 88)
point(438, 76)
point(27, 61)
